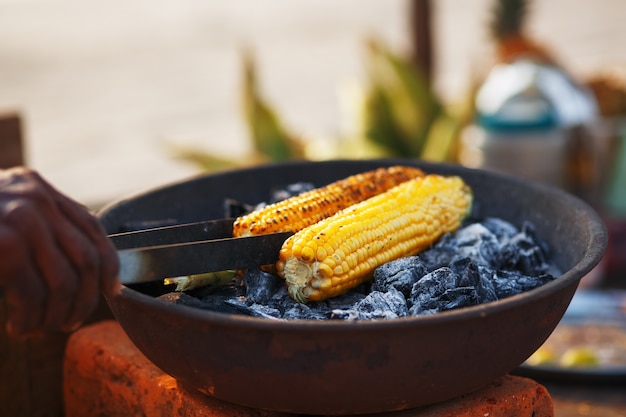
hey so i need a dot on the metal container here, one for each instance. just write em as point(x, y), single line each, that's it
point(338, 367)
point(535, 121)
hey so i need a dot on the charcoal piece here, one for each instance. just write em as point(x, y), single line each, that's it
point(347, 299)
point(344, 301)
point(502, 229)
point(255, 310)
point(524, 253)
point(302, 312)
point(446, 288)
point(218, 303)
point(532, 262)
point(459, 267)
point(260, 286)
point(438, 256)
point(420, 310)
point(377, 305)
point(427, 291)
point(281, 299)
point(384, 305)
point(471, 276)
point(210, 298)
point(290, 190)
point(234, 208)
point(433, 284)
point(529, 229)
point(344, 314)
point(508, 283)
point(459, 297)
point(400, 274)
point(477, 243)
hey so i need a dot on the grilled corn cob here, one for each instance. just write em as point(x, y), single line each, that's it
point(339, 253)
point(298, 212)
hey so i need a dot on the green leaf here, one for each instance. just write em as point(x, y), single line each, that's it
point(269, 136)
point(203, 159)
point(401, 106)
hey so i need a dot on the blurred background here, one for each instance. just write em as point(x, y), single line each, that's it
point(111, 98)
point(112, 94)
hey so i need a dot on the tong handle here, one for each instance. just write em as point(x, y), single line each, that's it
point(174, 234)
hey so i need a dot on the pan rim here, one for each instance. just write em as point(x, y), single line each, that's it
point(595, 248)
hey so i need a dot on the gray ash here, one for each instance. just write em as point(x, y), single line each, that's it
point(484, 260)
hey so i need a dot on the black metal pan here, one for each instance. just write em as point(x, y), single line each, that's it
point(330, 367)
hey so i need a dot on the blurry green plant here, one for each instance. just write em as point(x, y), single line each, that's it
point(398, 114)
point(401, 114)
point(270, 138)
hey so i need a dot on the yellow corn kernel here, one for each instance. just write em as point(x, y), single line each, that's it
point(400, 222)
point(298, 212)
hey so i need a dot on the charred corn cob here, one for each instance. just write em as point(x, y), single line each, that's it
point(336, 254)
point(298, 212)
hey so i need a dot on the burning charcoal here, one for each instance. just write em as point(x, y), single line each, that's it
point(477, 243)
point(214, 297)
point(529, 230)
point(400, 274)
point(344, 301)
point(507, 283)
point(424, 309)
point(281, 299)
point(303, 311)
point(347, 314)
point(438, 256)
point(348, 299)
point(459, 297)
point(500, 228)
point(234, 208)
point(460, 267)
point(256, 310)
point(470, 276)
point(532, 262)
point(260, 286)
point(523, 252)
point(218, 303)
point(290, 191)
point(481, 262)
point(377, 305)
point(435, 283)
point(426, 293)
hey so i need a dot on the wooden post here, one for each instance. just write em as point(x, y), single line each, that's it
point(11, 142)
point(420, 15)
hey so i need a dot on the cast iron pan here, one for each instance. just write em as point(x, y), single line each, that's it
point(329, 367)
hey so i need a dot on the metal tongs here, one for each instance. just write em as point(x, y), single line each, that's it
point(191, 249)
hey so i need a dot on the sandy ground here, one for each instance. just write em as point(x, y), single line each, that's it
point(107, 88)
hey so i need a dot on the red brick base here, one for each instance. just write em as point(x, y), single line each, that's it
point(106, 375)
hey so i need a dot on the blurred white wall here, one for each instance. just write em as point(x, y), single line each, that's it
point(105, 87)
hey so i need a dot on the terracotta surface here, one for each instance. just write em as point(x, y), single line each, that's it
point(106, 375)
